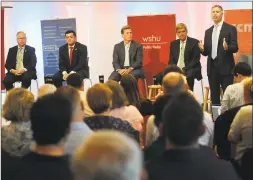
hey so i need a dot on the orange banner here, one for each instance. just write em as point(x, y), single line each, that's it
point(242, 20)
point(154, 32)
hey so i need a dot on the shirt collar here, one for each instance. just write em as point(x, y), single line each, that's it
point(219, 24)
point(127, 44)
point(183, 41)
point(77, 125)
point(21, 47)
point(72, 46)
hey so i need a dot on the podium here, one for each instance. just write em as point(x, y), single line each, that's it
point(2, 45)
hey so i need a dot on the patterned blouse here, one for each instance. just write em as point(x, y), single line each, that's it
point(16, 138)
point(109, 122)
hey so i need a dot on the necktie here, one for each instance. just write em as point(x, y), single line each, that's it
point(214, 42)
point(19, 63)
point(181, 58)
point(70, 54)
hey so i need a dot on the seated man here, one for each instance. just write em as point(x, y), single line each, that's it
point(72, 59)
point(127, 57)
point(233, 95)
point(185, 53)
point(20, 63)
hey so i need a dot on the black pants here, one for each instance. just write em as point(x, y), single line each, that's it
point(58, 78)
point(25, 79)
point(137, 73)
point(190, 82)
point(217, 80)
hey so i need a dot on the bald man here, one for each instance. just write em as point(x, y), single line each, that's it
point(20, 63)
point(101, 158)
point(173, 83)
point(46, 89)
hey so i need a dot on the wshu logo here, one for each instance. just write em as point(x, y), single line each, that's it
point(151, 38)
point(243, 27)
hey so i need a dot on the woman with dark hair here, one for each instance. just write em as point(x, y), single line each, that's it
point(130, 86)
point(121, 108)
point(99, 98)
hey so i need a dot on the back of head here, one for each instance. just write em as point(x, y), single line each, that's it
point(46, 89)
point(248, 90)
point(242, 68)
point(17, 105)
point(71, 94)
point(173, 83)
point(119, 98)
point(182, 118)
point(130, 86)
point(75, 80)
point(107, 155)
point(50, 119)
point(172, 68)
point(99, 98)
point(158, 107)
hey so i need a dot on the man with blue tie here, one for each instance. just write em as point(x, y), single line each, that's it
point(220, 43)
point(20, 63)
point(127, 57)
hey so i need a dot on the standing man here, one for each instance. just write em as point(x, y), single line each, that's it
point(184, 52)
point(127, 57)
point(20, 63)
point(72, 59)
point(220, 43)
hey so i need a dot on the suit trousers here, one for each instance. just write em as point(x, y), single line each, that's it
point(137, 73)
point(217, 80)
point(25, 79)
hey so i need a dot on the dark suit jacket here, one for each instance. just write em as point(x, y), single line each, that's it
point(29, 59)
point(135, 55)
point(190, 164)
point(225, 58)
point(191, 57)
point(79, 59)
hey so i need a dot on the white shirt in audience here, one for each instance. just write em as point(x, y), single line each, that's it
point(87, 111)
point(207, 138)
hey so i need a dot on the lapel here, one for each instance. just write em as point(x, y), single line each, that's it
point(74, 54)
point(131, 50)
point(122, 49)
point(177, 49)
point(222, 31)
point(66, 53)
point(25, 56)
point(187, 46)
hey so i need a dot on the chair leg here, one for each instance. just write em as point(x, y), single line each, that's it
point(146, 88)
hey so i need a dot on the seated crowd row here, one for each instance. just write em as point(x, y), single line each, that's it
point(110, 133)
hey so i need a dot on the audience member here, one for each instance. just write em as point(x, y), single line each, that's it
point(183, 125)
point(233, 95)
point(17, 136)
point(46, 89)
point(50, 122)
point(108, 155)
point(76, 81)
point(79, 130)
point(99, 98)
point(121, 108)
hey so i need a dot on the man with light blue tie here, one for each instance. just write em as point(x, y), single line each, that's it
point(20, 63)
point(220, 43)
point(127, 57)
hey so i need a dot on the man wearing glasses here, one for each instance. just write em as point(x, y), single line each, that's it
point(20, 63)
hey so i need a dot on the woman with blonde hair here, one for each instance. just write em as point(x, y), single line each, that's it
point(17, 136)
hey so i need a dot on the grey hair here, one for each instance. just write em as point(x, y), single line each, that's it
point(107, 155)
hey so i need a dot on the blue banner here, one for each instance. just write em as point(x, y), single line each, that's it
point(53, 36)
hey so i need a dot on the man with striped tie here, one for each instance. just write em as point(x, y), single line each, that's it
point(20, 63)
point(184, 52)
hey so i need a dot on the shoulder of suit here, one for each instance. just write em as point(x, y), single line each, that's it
point(29, 47)
point(175, 41)
point(136, 43)
point(192, 39)
point(77, 44)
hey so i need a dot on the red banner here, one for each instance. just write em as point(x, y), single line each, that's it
point(242, 20)
point(154, 32)
point(2, 49)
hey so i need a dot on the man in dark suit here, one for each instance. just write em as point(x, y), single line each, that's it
point(72, 59)
point(20, 63)
point(220, 43)
point(184, 52)
point(184, 158)
point(127, 57)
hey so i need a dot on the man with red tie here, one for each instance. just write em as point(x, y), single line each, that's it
point(72, 59)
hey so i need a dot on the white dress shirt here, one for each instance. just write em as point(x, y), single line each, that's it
point(127, 58)
point(219, 25)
